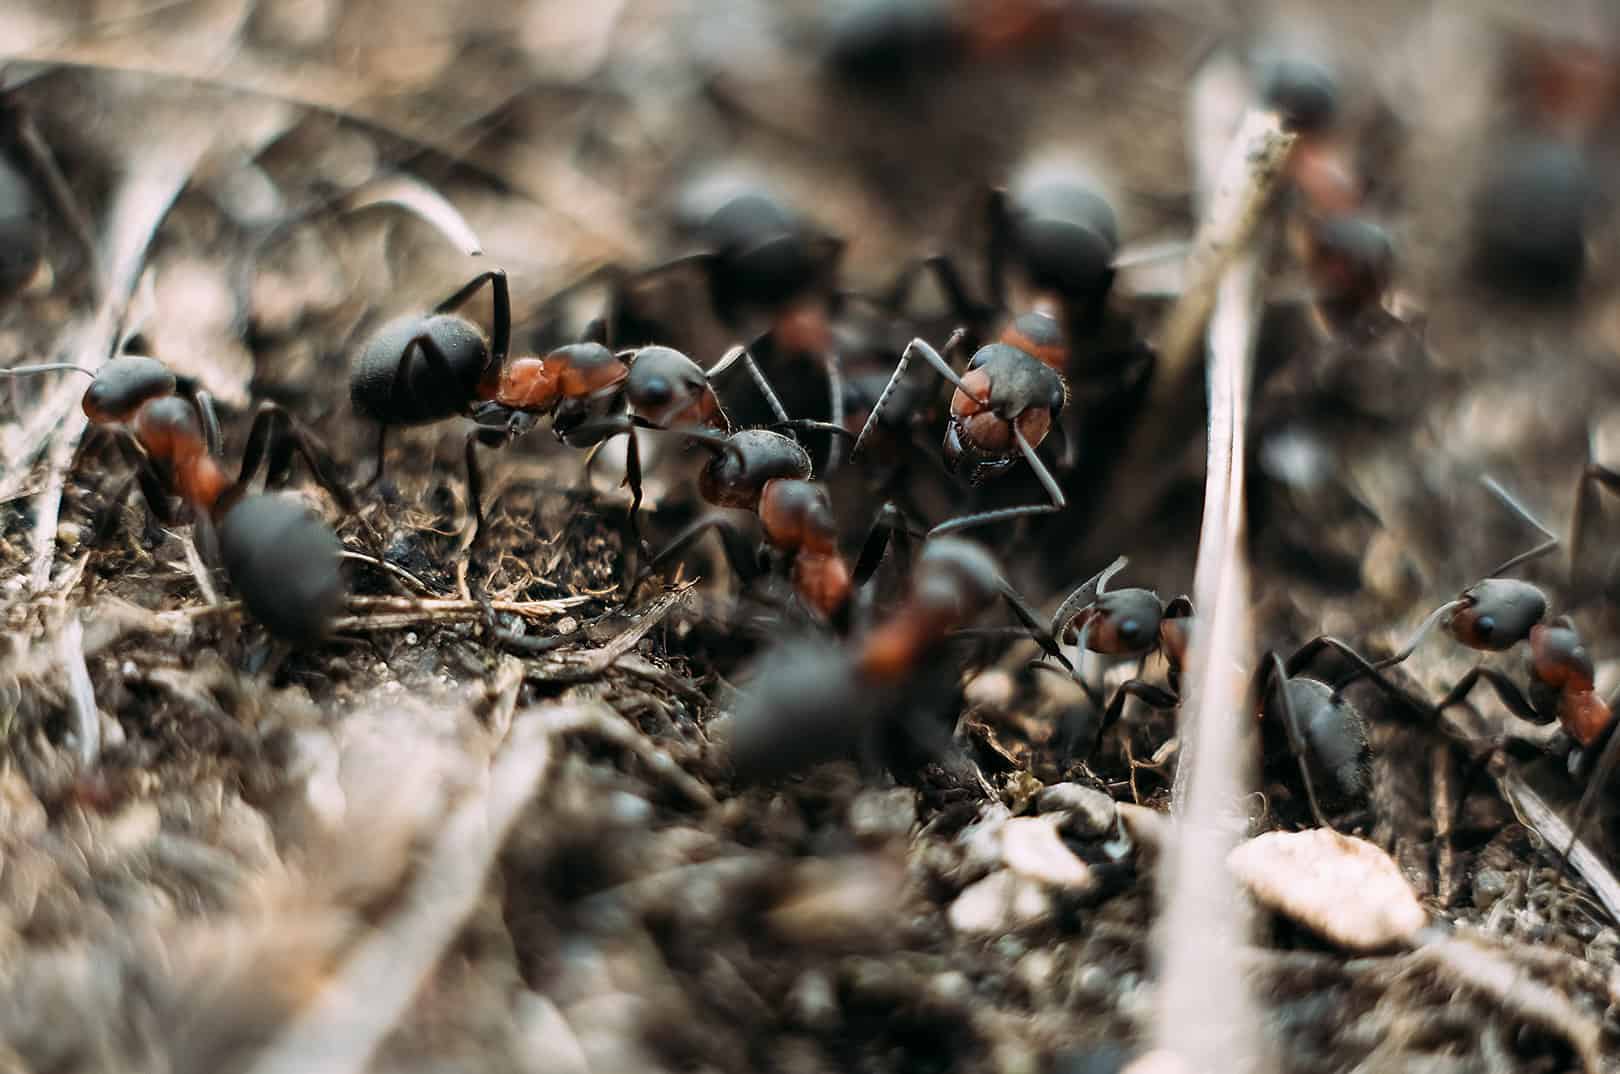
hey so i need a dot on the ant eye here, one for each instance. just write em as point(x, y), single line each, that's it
point(656, 391)
point(1130, 630)
point(1485, 626)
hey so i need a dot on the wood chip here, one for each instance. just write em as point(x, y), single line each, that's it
point(1345, 889)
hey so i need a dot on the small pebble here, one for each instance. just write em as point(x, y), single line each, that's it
point(1489, 885)
point(567, 625)
point(813, 1003)
point(1091, 812)
point(883, 815)
point(1000, 903)
point(68, 534)
point(410, 638)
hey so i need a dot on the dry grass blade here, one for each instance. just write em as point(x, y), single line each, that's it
point(1203, 917)
point(1551, 827)
point(368, 995)
point(416, 197)
point(81, 694)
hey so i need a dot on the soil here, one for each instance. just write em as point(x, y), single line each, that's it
point(464, 855)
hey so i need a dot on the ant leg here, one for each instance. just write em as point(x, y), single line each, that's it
point(834, 367)
point(1272, 674)
point(890, 524)
point(1550, 543)
point(1597, 781)
point(278, 432)
point(489, 437)
point(949, 279)
point(382, 447)
point(1084, 595)
point(812, 425)
point(105, 523)
point(1506, 689)
point(1363, 667)
point(1156, 697)
point(511, 642)
point(1594, 476)
point(742, 353)
point(1004, 514)
point(203, 400)
point(500, 336)
point(933, 358)
point(743, 564)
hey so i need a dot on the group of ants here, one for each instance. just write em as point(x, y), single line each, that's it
point(863, 685)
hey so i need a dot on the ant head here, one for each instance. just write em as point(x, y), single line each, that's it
point(1008, 386)
point(1303, 90)
point(668, 388)
point(737, 475)
point(1065, 235)
point(1125, 622)
point(883, 44)
point(1497, 613)
point(1039, 334)
point(587, 369)
point(764, 251)
point(123, 384)
point(283, 560)
point(955, 572)
point(1558, 657)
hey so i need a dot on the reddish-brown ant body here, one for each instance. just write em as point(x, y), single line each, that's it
point(281, 557)
point(419, 369)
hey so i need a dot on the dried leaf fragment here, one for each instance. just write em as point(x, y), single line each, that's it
point(1346, 889)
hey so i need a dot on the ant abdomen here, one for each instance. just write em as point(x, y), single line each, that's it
point(1335, 739)
point(736, 476)
point(383, 389)
point(283, 560)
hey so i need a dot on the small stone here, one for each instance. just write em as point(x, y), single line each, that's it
point(883, 815)
point(67, 534)
point(950, 989)
point(1002, 902)
point(1031, 847)
point(410, 637)
point(1308, 876)
point(567, 625)
point(812, 1002)
point(1035, 971)
point(1489, 886)
point(1093, 981)
point(981, 841)
point(1091, 812)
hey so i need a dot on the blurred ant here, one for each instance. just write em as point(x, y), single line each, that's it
point(1350, 260)
point(418, 369)
point(281, 557)
point(810, 701)
point(1531, 210)
point(769, 473)
point(1122, 623)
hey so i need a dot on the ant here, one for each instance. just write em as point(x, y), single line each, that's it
point(282, 558)
point(1122, 623)
point(812, 701)
point(769, 473)
point(1002, 409)
point(1350, 259)
point(1494, 615)
point(418, 369)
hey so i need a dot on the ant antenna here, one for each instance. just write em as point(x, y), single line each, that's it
point(1084, 594)
point(51, 367)
point(754, 372)
point(1420, 633)
point(1523, 512)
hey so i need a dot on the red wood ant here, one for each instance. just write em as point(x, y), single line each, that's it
point(770, 474)
point(1350, 259)
point(1121, 623)
point(418, 369)
point(1002, 408)
point(281, 557)
point(1496, 614)
point(811, 701)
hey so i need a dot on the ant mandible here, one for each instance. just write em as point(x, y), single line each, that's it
point(281, 557)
